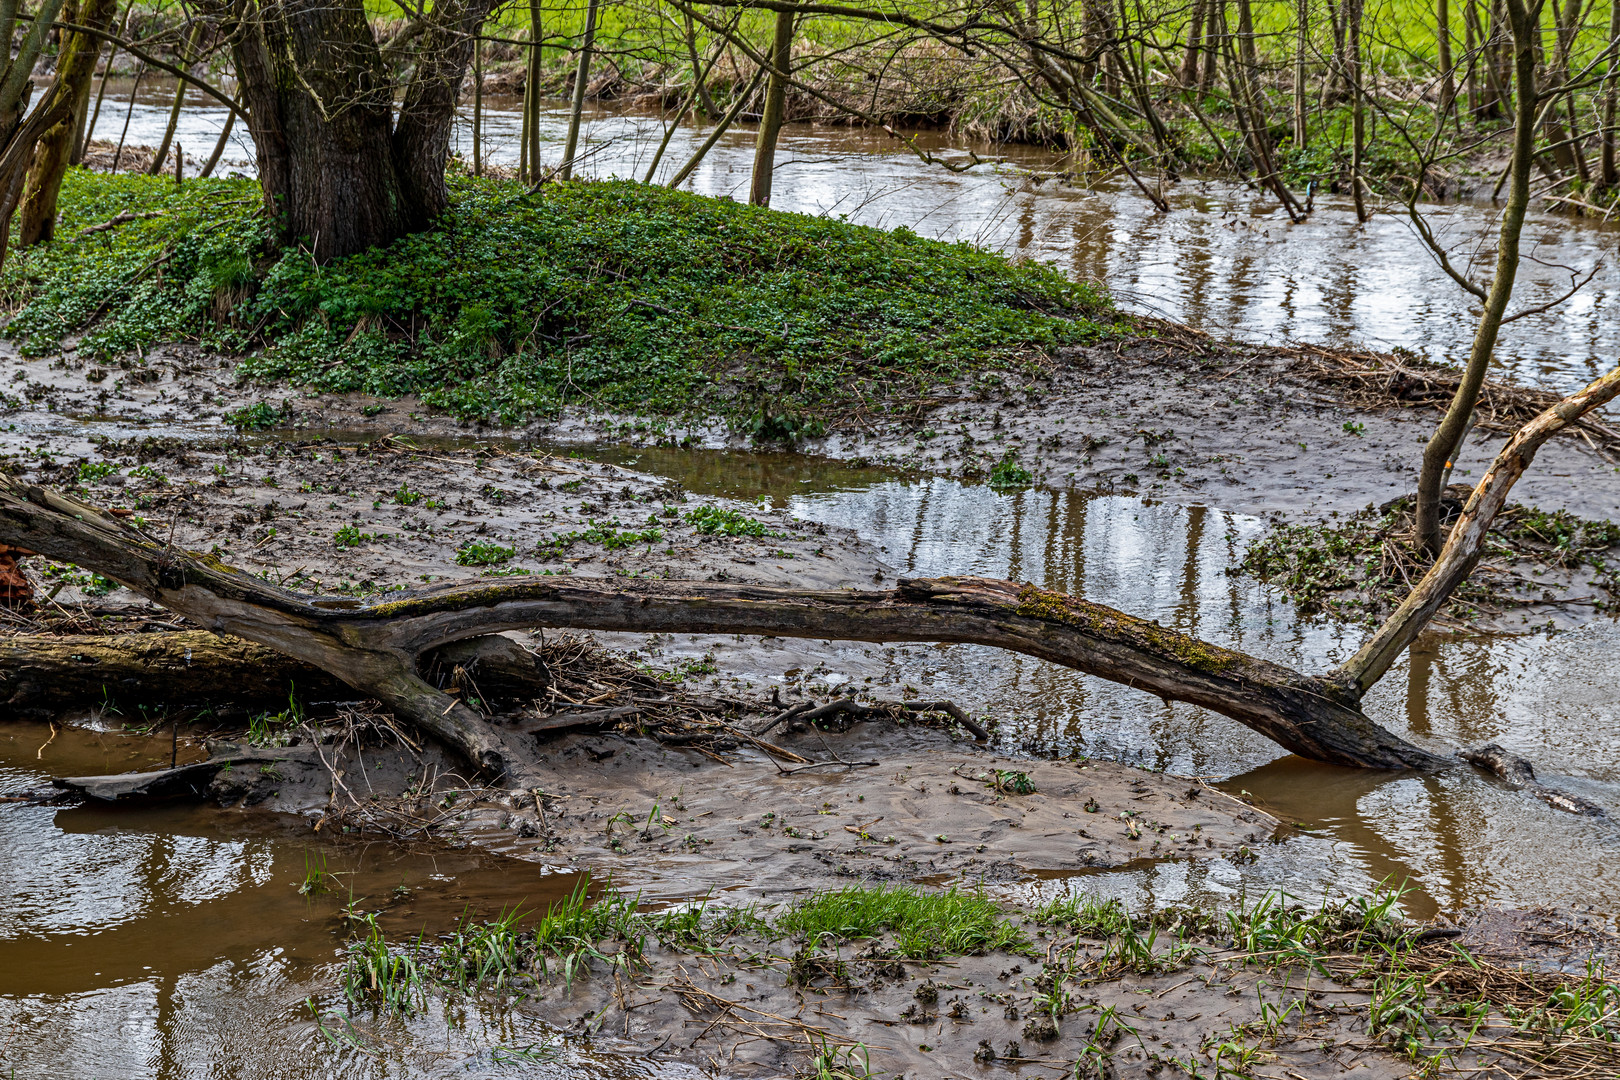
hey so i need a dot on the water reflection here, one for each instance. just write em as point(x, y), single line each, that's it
point(1460, 838)
point(172, 940)
point(1226, 259)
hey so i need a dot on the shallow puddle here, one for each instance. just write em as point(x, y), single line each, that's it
point(173, 940)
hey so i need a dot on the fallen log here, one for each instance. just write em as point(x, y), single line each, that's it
point(377, 648)
point(189, 779)
point(42, 674)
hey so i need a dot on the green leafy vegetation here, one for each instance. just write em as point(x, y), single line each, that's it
point(924, 923)
point(609, 534)
point(613, 294)
point(259, 416)
point(483, 553)
point(711, 520)
point(1008, 473)
point(1361, 567)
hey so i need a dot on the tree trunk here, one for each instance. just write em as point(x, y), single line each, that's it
point(1442, 40)
point(720, 129)
point(106, 73)
point(1467, 540)
point(186, 669)
point(478, 108)
point(531, 102)
point(700, 72)
point(75, 66)
point(339, 171)
point(1353, 10)
point(1446, 441)
point(376, 649)
point(1610, 175)
point(1302, 37)
point(219, 146)
point(1471, 40)
point(1195, 44)
point(186, 59)
point(770, 122)
point(582, 76)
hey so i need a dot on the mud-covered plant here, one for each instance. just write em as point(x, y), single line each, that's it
point(259, 416)
point(1009, 782)
point(91, 471)
point(1361, 567)
point(1008, 474)
point(1087, 915)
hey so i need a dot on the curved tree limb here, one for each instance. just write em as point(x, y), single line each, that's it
point(376, 648)
point(1467, 540)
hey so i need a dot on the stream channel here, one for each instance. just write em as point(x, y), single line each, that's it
point(168, 942)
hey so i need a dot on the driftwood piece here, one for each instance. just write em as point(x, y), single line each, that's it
point(192, 779)
point(42, 673)
point(376, 648)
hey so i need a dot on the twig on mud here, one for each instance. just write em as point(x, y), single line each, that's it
point(809, 712)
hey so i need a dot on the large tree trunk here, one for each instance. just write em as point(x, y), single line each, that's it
point(338, 171)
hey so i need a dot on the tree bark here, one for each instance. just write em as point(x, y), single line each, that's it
point(770, 122)
point(340, 172)
point(1467, 540)
point(582, 76)
point(1608, 173)
point(106, 73)
point(376, 649)
point(1442, 40)
point(186, 59)
point(1195, 44)
point(1353, 14)
point(76, 64)
point(219, 146)
point(1446, 441)
point(1302, 36)
point(187, 668)
point(532, 101)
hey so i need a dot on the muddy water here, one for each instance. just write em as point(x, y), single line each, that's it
point(1225, 259)
point(172, 941)
point(1458, 838)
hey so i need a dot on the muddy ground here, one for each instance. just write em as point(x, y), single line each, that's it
point(360, 496)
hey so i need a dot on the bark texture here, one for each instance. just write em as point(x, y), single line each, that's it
point(339, 170)
point(75, 65)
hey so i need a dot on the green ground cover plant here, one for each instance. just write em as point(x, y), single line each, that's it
point(608, 294)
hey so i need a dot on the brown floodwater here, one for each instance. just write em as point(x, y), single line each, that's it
point(172, 940)
point(1225, 259)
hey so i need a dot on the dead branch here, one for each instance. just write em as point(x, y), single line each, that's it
point(377, 648)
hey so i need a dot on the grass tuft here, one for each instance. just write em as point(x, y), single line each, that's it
point(924, 924)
